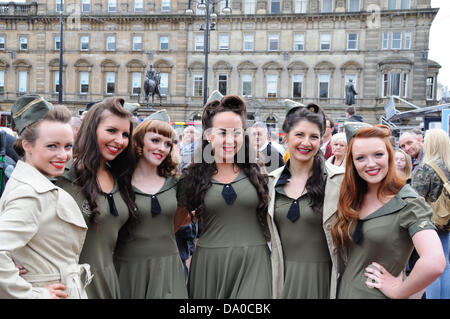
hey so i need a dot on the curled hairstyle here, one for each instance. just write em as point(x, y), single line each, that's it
point(315, 185)
point(354, 188)
point(169, 167)
point(87, 156)
point(59, 114)
point(199, 175)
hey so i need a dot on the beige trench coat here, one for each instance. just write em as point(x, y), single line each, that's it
point(333, 184)
point(42, 229)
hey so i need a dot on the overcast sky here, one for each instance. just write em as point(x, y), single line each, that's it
point(439, 40)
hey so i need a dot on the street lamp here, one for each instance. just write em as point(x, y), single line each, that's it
point(60, 88)
point(205, 5)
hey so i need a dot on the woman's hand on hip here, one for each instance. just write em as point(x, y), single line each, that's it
point(57, 291)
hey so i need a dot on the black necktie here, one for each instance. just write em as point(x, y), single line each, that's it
point(156, 208)
point(357, 235)
point(229, 194)
point(294, 211)
point(112, 205)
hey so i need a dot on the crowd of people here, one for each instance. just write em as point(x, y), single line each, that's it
point(107, 207)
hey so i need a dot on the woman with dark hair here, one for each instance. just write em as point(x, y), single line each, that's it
point(303, 203)
point(229, 195)
point(100, 181)
point(146, 256)
point(41, 226)
point(380, 220)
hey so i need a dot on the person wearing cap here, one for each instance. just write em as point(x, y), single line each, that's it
point(99, 179)
point(380, 220)
point(41, 226)
point(303, 203)
point(146, 256)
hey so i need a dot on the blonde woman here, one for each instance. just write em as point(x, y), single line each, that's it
point(339, 148)
point(427, 183)
point(403, 164)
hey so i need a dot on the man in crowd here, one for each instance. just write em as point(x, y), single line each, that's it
point(326, 139)
point(271, 157)
point(187, 146)
point(410, 143)
point(351, 115)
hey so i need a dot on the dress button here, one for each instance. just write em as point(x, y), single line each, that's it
point(328, 226)
point(334, 250)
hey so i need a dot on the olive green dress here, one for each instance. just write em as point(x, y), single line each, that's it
point(307, 261)
point(386, 238)
point(147, 259)
point(101, 238)
point(231, 259)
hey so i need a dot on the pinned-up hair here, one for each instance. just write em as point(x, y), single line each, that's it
point(233, 103)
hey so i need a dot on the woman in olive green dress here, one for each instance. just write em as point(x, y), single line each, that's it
point(100, 182)
point(380, 220)
point(229, 195)
point(303, 202)
point(146, 257)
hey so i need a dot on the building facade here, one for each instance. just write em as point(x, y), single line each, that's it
point(265, 50)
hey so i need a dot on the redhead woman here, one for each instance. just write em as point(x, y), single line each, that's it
point(41, 226)
point(100, 182)
point(146, 257)
point(380, 220)
point(229, 195)
point(303, 203)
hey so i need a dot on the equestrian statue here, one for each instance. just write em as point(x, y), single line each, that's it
point(151, 85)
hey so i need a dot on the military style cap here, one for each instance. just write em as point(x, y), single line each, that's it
point(292, 105)
point(131, 107)
point(351, 128)
point(160, 115)
point(215, 95)
point(28, 109)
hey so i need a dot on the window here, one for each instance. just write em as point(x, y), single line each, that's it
point(353, 5)
point(222, 85)
point(84, 43)
point(2, 43)
point(405, 4)
point(407, 40)
point(324, 84)
point(56, 81)
point(57, 42)
point(198, 85)
point(112, 5)
point(224, 41)
point(297, 83)
point(396, 40)
point(392, 4)
point(327, 5)
point(165, 5)
point(199, 42)
point(325, 42)
point(405, 85)
point(2, 82)
point(84, 82)
point(272, 85)
point(138, 6)
point(23, 43)
point(136, 80)
point(273, 42)
point(110, 82)
point(247, 85)
point(299, 42)
point(385, 41)
point(23, 78)
point(300, 6)
point(249, 6)
point(137, 43)
point(59, 5)
point(395, 83)
point(86, 6)
point(430, 88)
point(352, 41)
point(164, 84)
point(164, 42)
point(384, 92)
point(248, 42)
point(275, 6)
point(110, 43)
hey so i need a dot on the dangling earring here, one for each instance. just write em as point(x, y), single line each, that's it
point(139, 151)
